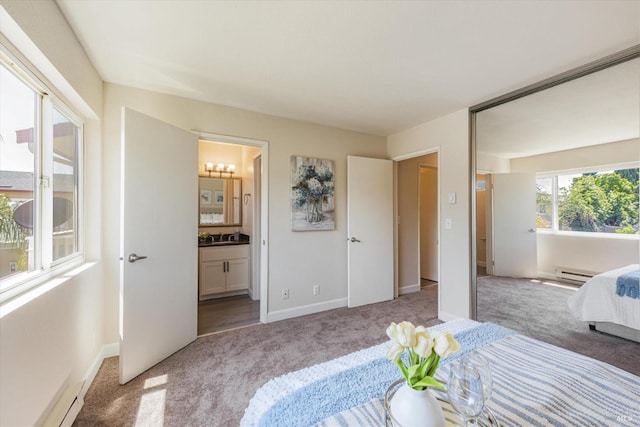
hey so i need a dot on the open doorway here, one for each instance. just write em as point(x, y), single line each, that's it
point(418, 224)
point(428, 202)
point(230, 220)
point(484, 258)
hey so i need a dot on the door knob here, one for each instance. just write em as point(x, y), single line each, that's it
point(134, 257)
point(532, 230)
point(354, 240)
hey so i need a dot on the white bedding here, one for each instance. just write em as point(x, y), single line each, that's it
point(596, 300)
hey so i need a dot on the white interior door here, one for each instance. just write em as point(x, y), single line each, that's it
point(429, 223)
point(514, 225)
point(159, 221)
point(370, 230)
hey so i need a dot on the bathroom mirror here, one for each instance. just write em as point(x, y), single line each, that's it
point(220, 201)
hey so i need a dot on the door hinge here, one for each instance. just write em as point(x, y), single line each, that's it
point(44, 182)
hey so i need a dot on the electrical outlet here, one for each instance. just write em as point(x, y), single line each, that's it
point(285, 294)
point(316, 289)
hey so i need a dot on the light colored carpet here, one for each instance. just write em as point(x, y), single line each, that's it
point(541, 312)
point(210, 382)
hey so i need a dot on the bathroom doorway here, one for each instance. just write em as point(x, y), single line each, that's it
point(230, 230)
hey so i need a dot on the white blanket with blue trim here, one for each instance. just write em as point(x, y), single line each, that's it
point(536, 384)
point(597, 301)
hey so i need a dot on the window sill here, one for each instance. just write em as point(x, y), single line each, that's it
point(590, 235)
point(32, 288)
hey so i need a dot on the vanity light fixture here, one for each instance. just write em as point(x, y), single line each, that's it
point(220, 168)
point(208, 167)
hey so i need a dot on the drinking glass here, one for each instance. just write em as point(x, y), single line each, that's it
point(465, 392)
point(481, 363)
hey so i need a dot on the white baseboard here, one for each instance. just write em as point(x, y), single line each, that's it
point(447, 317)
point(548, 276)
point(409, 289)
point(553, 277)
point(108, 350)
point(72, 413)
point(306, 309)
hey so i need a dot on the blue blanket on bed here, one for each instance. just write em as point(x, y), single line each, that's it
point(628, 285)
point(355, 386)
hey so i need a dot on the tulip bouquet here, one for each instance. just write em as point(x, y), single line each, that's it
point(424, 351)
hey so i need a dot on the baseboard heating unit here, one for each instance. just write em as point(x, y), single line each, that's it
point(574, 274)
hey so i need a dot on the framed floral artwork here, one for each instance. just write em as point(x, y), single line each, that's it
point(312, 188)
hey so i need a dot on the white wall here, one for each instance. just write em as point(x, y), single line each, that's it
point(297, 261)
point(489, 163)
point(451, 135)
point(50, 337)
point(589, 253)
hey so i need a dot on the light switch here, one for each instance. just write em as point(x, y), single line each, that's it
point(452, 198)
point(448, 223)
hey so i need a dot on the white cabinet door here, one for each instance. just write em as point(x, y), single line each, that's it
point(212, 277)
point(237, 274)
point(224, 269)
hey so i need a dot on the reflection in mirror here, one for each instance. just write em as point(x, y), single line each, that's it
point(220, 201)
point(548, 167)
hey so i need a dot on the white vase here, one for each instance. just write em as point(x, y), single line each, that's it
point(416, 408)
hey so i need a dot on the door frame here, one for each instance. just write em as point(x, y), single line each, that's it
point(256, 248)
point(263, 239)
point(396, 262)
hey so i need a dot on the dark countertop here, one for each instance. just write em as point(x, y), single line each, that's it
point(223, 240)
point(226, 243)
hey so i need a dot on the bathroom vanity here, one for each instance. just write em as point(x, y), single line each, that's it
point(223, 268)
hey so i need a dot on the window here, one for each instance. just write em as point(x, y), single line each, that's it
point(544, 201)
point(40, 155)
point(601, 202)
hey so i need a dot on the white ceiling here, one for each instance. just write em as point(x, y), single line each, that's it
point(595, 109)
point(371, 66)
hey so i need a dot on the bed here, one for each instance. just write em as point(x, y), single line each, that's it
point(535, 384)
point(598, 303)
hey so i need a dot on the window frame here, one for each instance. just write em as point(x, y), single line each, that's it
point(555, 226)
point(45, 268)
